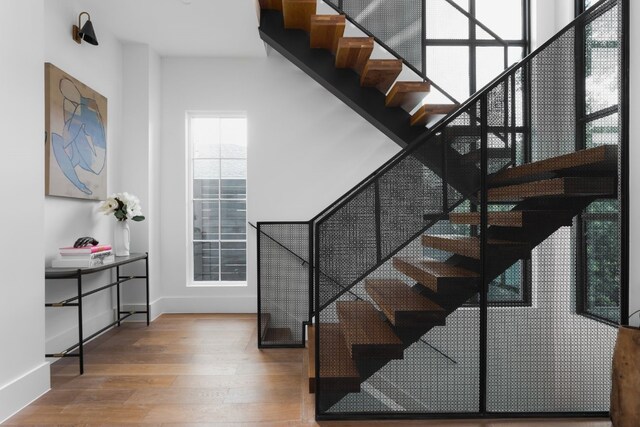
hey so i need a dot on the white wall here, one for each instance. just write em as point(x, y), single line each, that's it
point(23, 372)
point(100, 67)
point(548, 17)
point(306, 148)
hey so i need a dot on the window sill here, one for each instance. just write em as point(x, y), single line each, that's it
point(217, 284)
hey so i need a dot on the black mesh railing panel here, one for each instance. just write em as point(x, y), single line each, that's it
point(283, 283)
point(554, 354)
point(397, 23)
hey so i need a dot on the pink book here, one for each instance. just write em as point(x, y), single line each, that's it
point(84, 250)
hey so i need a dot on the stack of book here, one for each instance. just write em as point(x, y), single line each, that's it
point(88, 256)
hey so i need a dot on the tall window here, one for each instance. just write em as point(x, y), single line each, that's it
point(218, 199)
point(469, 42)
point(598, 226)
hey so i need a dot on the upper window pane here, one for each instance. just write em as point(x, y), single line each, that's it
point(205, 134)
point(443, 21)
point(233, 138)
point(492, 14)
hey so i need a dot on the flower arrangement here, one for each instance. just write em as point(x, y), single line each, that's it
point(124, 206)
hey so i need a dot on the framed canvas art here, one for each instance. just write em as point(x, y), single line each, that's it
point(75, 138)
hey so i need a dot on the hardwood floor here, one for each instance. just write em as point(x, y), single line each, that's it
point(195, 370)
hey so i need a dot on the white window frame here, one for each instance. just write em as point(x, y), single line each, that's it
point(189, 202)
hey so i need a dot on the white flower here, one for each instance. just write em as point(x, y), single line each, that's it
point(108, 206)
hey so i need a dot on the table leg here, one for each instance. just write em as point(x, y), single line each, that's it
point(146, 260)
point(80, 334)
point(118, 294)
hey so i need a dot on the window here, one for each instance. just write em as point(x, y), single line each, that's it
point(470, 42)
point(218, 199)
point(598, 226)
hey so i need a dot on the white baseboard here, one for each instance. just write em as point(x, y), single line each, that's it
point(216, 304)
point(20, 392)
point(69, 336)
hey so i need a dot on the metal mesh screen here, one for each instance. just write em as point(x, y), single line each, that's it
point(283, 283)
point(459, 245)
point(398, 23)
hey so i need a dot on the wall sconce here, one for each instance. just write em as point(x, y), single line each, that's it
point(85, 32)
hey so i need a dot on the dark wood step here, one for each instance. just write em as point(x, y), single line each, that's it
point(278, 336)
point(311, 365)
point(367, 335)
point(271, 4)
point(326, 31)
point(338, 370)
point(354, 52)
point(557, 187)
point(407, 95)
point(603, 159)
point(297, 14)
point(436, 275)
point(493, 153)
point(470, 246)
point(511, 218)
point(404, 307)
point(427, 111)
point(380, 73)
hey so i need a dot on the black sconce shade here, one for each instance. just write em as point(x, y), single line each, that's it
point(86, 33)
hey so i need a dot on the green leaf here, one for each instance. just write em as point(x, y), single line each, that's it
point(138, 218)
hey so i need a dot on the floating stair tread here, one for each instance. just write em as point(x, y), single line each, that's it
point(557, 187)
point(407, 94)
point(380, 73)
point(599, 159)
point(424, 113)
point(353, 52)
point(470, 246)
point(271, 4)
point(297, 14)
point(337, 369)
point(493, 153)
point(509, 218)
point(435, 274)
point(311, 369)
point(367, 335)
point(278, 335)
point(403, 306)
point(326, 31)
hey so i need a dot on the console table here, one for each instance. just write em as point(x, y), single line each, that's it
point(76, 301)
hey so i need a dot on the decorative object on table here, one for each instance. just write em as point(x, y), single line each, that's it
point(83, 256)
point(625, 387)
point(123, 206)
point(75, 138)
point(82, 242)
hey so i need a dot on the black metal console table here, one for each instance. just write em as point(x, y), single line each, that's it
point(76, 301)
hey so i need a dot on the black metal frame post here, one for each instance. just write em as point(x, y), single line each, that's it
point(118, 295)
point(484, 290)
point(80, 333)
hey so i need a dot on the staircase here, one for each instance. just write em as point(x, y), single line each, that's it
point(465, 170)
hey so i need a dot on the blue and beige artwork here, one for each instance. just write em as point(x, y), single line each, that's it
point(76, 122)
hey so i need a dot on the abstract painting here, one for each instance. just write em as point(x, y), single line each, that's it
point(75, 138)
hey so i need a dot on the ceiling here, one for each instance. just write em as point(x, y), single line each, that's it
point(183, 27)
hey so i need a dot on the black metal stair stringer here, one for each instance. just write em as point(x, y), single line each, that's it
point(319, 64)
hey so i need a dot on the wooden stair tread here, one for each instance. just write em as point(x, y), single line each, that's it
point(599, 159)
point(353, 52)
point(424, 113)
point(366, 334)
point(326, 31)
point(470, 246)
point(407, 95)
point(380, 73)
point(403, 306)
point(338, 371)
point(493, 153)
point(271, 4)
point(435, 274)
point(297, 14)
point(311, 368)
point(278, 335)
point(510, 218)
point(556, 187)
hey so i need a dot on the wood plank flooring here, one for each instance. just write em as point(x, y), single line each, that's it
point(195, 370)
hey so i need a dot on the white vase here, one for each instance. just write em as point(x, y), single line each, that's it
point(121, 238)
